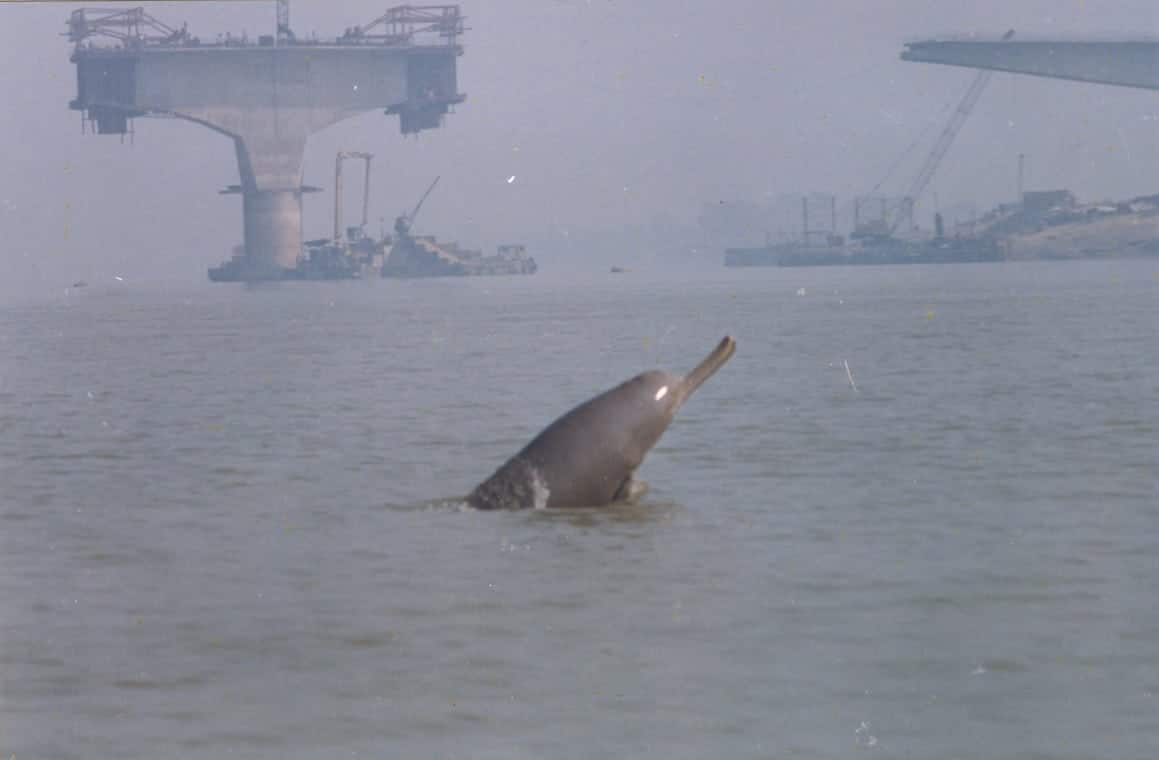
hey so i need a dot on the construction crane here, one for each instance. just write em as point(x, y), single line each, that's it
point(403, 223)
point(342, 156)
point(904, 208)
point(283, 13)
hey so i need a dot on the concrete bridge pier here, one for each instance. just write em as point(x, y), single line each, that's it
point(270, 168)
point(268, 97)
point(272, 227)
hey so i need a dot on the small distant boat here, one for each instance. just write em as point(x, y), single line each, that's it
point(80, 284)
point(619, 270)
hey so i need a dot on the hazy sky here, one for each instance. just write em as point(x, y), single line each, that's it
point(609, 115)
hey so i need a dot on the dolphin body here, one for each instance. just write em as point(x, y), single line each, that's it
point(587, 457)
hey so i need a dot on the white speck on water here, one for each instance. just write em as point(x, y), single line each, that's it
point(863, 737)
point(118, 278)
point(511, 179)
point(800, 291)
point(978, 671)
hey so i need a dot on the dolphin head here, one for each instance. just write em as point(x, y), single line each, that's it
point(658, 395)
point(708, 367)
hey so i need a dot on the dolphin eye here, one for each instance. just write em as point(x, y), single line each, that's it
point(662, 392)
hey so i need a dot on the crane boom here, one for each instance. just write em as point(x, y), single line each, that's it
point(945, 140)
point(422, 200)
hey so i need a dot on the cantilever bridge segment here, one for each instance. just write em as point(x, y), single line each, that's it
point(267, 94)
point(1126, 63)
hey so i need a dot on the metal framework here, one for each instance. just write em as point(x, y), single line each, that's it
point(283, 22)
point(821, 233)
point(402, 24)
point(343, 155)
point(132, 27)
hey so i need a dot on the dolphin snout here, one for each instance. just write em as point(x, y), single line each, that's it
point(707, 368)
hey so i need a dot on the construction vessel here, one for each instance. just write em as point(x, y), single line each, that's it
point(351, 253)
point(945, 250)
point(875, 238)
point(872, 250)
point(818, 241)
point(410, 255)
point(826, 248)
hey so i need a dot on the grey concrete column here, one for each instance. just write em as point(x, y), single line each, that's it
point(273, 228)
point(270, 165)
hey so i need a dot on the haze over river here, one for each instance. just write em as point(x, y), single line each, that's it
point(229, 528)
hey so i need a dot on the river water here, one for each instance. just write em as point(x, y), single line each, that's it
point(917, 515)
